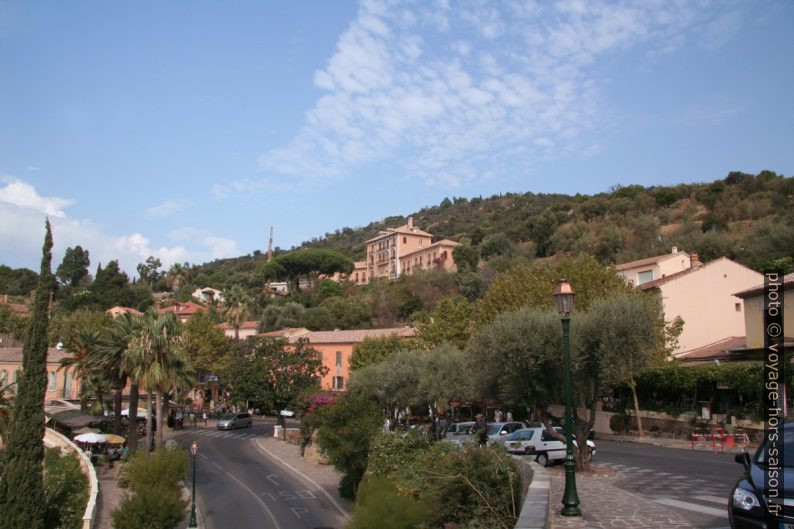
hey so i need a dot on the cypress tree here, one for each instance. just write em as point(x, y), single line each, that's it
point(22, 501)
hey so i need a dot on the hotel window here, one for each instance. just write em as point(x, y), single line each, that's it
point(339, 359)
point(405, 240)
point(339, 382)
point(644, 277)
point(51, 376)
point(421, 242)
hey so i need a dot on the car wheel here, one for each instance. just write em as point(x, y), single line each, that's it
point(543, 460)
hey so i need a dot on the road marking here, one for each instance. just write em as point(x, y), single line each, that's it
point(333, 501)
point(297, 511)
point(216, 465)
point(257, 498)
point(713, 499)
point(271, 479)
point(722, 513)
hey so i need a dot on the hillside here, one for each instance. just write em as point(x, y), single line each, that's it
point(749, 218)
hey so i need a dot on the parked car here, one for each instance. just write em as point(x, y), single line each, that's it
point(498, 429)
point(232, 421)
point(461, 433)
point(538, 443)
point(748, 507)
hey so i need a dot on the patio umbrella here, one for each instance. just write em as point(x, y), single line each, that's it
point(91, 438)
point(114, 439)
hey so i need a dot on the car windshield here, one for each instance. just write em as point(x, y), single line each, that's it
point(227, 417)
point(787, 450)
point(493, 429)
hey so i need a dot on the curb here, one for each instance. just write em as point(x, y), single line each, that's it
point(535, 512)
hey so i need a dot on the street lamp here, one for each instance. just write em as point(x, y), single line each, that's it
point(192, 523)
point(563, 299)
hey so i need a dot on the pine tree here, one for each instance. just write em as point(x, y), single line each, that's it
point(22, 499)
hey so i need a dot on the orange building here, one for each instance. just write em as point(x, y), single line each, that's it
point(336, 347)
point(61, 383)
point(397, 251)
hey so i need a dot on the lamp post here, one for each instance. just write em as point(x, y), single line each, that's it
point(563, 299)
point(192, 523)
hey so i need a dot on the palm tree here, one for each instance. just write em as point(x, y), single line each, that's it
point(82, 347)
point(112, 362)
point(175, 276)
point(157, 358)
point(236, 308)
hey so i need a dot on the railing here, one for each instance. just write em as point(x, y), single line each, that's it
point(720, 438)
point(52, 439)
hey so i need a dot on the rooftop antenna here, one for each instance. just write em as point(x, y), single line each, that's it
point(270, 246)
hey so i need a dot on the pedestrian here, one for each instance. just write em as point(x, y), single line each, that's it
point(205, 418)
point(482, 429)
point(193, 419)
point(509, 416)
point(497, 416)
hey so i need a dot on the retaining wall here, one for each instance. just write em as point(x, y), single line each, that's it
point(53, 439)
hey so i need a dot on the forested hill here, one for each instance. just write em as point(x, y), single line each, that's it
point(749, 218)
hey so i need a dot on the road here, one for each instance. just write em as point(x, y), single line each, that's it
point(694, 483)
point(239, 485)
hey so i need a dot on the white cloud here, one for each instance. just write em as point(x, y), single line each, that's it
point(22, 215)
point(23, 195)
point(451, 93)
point(166, 208)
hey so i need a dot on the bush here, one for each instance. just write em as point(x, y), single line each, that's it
point(150, 509)
point(155, 479)
point(66, 490)
point(380, 504)
point(619, 423)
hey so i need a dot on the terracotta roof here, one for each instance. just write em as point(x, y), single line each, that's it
point(647, 261)
point(12, 355)
point(788, 283)
point(359, 264)
point(442, 242)
point(186, 308)
point(354, 336)
point(719, 349)
point(401, 229)
point(245, 325)
point(667, 279)
point(287, 332)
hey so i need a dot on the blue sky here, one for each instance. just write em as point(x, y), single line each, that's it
point(186, 129)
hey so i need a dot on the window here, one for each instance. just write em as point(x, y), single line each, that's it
point(738, 307)
point(644, 277)
point(405, 240)
point(421, 242)
point(320, 356)
point(3, 376)
point(339, 359)
point(16, 376)
point(339, 382)
point(51, 376)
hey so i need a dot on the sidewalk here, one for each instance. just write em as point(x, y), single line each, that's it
point(673, 443)
point(605, 506)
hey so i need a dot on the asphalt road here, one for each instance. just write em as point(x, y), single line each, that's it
point(238, 485)
point(694, 483)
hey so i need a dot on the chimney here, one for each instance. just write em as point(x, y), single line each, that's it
point(694, 260)
point(410, 222)
point(675, 249)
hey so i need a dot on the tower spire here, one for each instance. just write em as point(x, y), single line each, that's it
point(270, 246)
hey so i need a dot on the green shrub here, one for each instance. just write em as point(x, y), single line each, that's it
point(150, 509)
point(155, 479)
point(66, 490)
point(160, 469)
point(380, 504)
point(619, 423)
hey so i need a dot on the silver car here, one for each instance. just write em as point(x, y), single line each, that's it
point(232, 421)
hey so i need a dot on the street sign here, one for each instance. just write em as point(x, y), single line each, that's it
point(287, 413)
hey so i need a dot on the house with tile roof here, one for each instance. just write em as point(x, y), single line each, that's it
point(753, 300)
point(183, 310)
point(336, 347)
point(394, 251)
point(248, 328)
point(118, 310)
point(701, 294)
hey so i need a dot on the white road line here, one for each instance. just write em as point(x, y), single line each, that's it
point(713, 499)
point(257, 498)
point(722, 513)
point(304, 476)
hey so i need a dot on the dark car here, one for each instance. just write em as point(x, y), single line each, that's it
point(749, 507)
